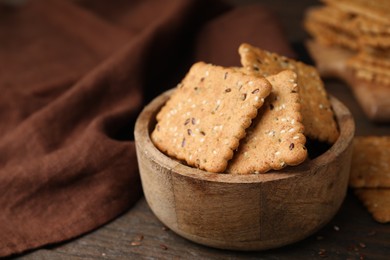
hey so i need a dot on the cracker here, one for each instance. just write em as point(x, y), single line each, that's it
point(330, 36)
point(345, 19)
point(207, 115)
point(375, 58)
point(369, 26)
point(316, 110)
point(275, 138)
point(372, 76)
point(370, 70)
point(370, 162)
point(377, 202)
point(381, 41)
point(334, 18)
point(376, 10)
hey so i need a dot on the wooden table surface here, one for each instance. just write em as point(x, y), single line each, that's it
point(138, 234)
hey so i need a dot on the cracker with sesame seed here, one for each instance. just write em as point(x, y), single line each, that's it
point(275, 138)
point(208, 114)
point(371, 68)
point(329, 36)
point(370, 162)
point(377, 202)
point(317, 114)
point(377, 10)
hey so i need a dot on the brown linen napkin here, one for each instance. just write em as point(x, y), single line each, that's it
point(73, 78)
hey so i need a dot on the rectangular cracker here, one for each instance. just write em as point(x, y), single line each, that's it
point(329, 36)
point(370, 26)
point(370, 69)
point(377, 202)
point(275, 138)
point(207, 115)
point(317, 114)
point(376, 10)
point(380, 41)
point(370, 162)
point(375, 58)
point(346, 20)
point(334, 18)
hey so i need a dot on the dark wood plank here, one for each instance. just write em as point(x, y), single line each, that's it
point(351, 234)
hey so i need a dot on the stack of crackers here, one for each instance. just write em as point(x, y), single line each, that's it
point(370, 174)
point(356, 33)
point(361, 26)
point(245, 120)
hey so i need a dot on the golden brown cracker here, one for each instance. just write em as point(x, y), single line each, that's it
point(374, 57)
point(370, 26)
point(377, 202)
point(334, 18)
point(370, 162)
point(381, 41)
point(376, 10)
point(207, 115)
point(330, 36)
point(346, 20)
point(370, 70)
point(275, 138)
point(316, 110)
point(372, 76)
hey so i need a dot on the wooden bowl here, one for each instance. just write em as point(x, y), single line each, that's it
point(244, 212)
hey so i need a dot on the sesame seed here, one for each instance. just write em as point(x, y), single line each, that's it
point(256, 98)
point(293, 121)
point(271, 133)
point(206, 73)
point(296, 137)
point(282, 131)
point(201, 140)
point(277, 153)
point(291, 130)
point(251, 83)
point(214, 152)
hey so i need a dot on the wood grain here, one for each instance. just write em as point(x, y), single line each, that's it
point(357, 235)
